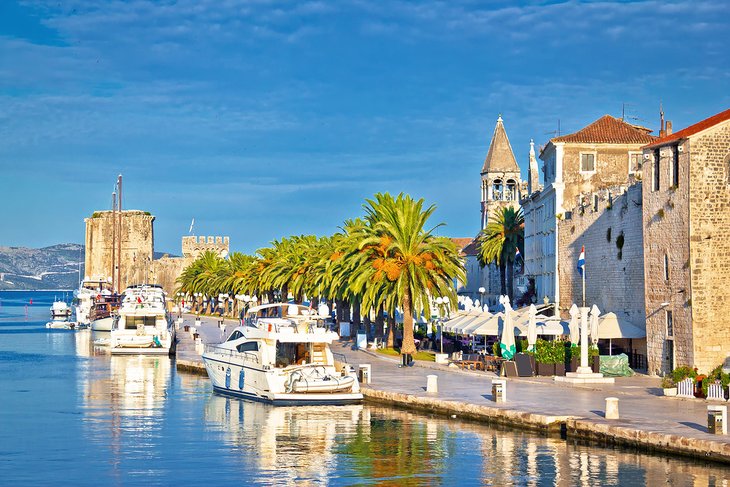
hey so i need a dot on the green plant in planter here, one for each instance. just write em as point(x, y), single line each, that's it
point(558, 352)
point(496, 350)
point(575, 352)
point(668, 382)
point(543, 352)
point(716, 374)
point(683, 372)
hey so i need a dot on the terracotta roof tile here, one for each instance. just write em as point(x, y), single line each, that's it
point(466, 246)
point(608, 130)
point(692, 129)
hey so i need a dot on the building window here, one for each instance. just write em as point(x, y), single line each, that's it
point(511, 193)
point(655, 182)
point(497, 189)
point(675, 167)
point(666, 267)
point(635, 160)
point(588, 163)
point(670, 323)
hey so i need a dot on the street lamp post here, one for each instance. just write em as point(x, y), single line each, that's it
point(481, 294)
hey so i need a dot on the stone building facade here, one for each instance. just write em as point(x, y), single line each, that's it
point(577, 168)
point(135, 229)
point(686, 220)
point(610, 228)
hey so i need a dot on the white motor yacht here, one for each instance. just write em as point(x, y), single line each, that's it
point(282, 356)
point(86, 295)
point(142, 325)
point(103, 311)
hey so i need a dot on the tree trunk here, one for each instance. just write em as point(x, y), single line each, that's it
point(366, 323)
point(390, 340)
point(346, 311)
point(510, 281)
point(338, 311)
point(379, 322)
point(503, 278)
point(285, 294)
point(409, 346)
point(355, 327)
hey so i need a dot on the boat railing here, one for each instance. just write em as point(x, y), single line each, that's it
point(245, 356)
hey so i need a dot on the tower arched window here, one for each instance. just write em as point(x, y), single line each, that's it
point(511, 192)
point(497, 190)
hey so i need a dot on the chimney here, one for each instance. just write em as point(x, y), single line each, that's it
point(668, 130)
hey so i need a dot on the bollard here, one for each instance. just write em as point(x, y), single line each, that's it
point(432, 383)
point(717, 420)
point(364, 373)
point(612, 408)
point(499, 390)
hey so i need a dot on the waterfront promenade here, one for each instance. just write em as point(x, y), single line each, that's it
point(648, 419)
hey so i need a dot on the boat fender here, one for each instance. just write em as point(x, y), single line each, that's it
point(156, 341)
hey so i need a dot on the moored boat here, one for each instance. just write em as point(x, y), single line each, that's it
point(142, 325)
point(90, 291)
point(282, 356)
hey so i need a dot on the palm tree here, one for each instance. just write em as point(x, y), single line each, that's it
point(408, 264)
point(500, 241)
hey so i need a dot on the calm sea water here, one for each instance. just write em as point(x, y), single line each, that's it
point(70, 414)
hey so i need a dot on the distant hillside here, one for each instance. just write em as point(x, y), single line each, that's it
point(54, 267)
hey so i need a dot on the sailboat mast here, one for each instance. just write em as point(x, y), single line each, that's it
point(113, 273)
point(119, 240)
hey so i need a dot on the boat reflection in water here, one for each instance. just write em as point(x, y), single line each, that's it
point(317, 445)
point(290, 443)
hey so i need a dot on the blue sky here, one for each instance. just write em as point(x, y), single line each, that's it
point(263, 118)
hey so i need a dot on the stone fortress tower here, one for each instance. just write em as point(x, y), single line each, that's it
point(193, 246)
point(133, 235)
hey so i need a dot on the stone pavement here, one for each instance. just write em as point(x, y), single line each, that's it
point(640, 401)
point(669, 423)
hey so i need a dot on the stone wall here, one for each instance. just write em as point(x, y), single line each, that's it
point(666, 233)
point(137, 244)
point(612, 236)
point(709, 229)
point(166, 270)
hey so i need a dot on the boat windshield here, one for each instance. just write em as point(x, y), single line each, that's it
point(131, 322)
point(292, 354)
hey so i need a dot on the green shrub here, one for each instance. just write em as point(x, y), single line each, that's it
point(574, 352)
point(682, 372)
point(496, 350)
point(716, 374)
point(668, 382)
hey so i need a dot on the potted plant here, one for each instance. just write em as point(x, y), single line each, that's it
point(544, 358)
point(558, 357)
point(669, 386)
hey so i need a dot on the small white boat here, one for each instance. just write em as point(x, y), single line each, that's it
point(62, 325)
point(142, 325)
point(60, 310)
point(282, 356)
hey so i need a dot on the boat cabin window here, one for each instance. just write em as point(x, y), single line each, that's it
point(292, 353)
point(235, 336)
point(248, 347)
point(132, 322)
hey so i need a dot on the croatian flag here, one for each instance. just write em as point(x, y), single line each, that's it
point(582, 260)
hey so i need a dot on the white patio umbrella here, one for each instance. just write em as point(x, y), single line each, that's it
point(489, 325)
point(609, 327)
point(532, 329)
point(507, 341)
point(574, 325)
point(554, 327)
point(595, 313)
point(468, 328)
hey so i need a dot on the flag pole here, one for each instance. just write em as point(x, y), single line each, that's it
point(583, 275)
